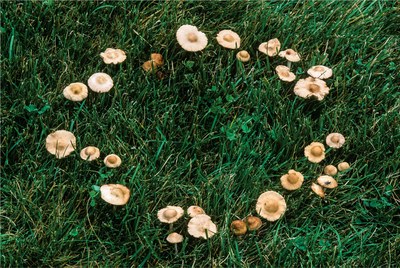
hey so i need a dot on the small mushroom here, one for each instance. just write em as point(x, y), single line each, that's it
point(228, 39)
point(175, 238)
point(290, 55)
point(315, 152)
point(115, 194)
point(195, 210)
point(100, 82)
point(61, 143)
point(292, 180)
point(271, 47)
point(149, 66)
point(238, 227)
point(76, 91)
point(253, 223)
point(202, 226)
point(335, 140)
point(191, 39)
point(343, 166)
point(284, 73)
point(330, 170)
point(243, 56)
point(170, 214)
point(157, 59)
point(320, 71)
point(112, 161)
point(271, 205)
point(327, 182)
point(311, 88)
point(90, 153)
point(112, 55)
point(318, 190)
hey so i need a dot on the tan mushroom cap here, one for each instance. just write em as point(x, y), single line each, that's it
point(335, 140)
point(157, 59)
point(253, 223)
point(311, 88)
point(228, 39)
point(61, 143)
point(90, 153)
point(290, 55)
point(343, 166)
point(330, 170)
point(327, 182)
point(170, 214)
point(115, 194)
point(112, 161)
point(195, 210)
point(238, 227)
point(149, 66)
point(191, 39)
point(320, 71)
point(315, 152)
point(284, 73)
point(76, 91)
point(113, 55)
point(318, 190)
point(271, 205)
point(100, 82)
point(174, 238)
point(271, 47)
point(292, 180)
point(243, 56)
point(202, 226)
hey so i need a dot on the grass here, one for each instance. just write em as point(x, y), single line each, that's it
point(214, 133)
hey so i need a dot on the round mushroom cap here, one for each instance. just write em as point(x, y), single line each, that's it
point(115, 194)
point(100, 82)
point(327, 181)
point(284, 73)
point(318, 190)
point(315, 152)
point(112, 55)
point(76, 91)
point(157, 59)
point(170, 214)
point(112, 161)
point(191, 39)
point(343, 166)
point(290, 55)
point(201, 226)
point(195, 210)
point(335, 140)
point(320, 71)
point(253, 223)
point(271, 47)
point(149, 66)
point(174, 238)
point(292, 181)
point(61, 143)
point(330, 170)
point(311, 88)
point(238, 227)
point(228, 39)
point(243, 56)
point(90, 153)
point(271, 205)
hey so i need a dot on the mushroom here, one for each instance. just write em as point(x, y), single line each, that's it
point(290, 55)
point(284, 73)
point(90, 153)
point(149, 66)
point(320, 71)
point(157, 59)
point(76, 91)
point(271, 47)
point(311, 87)
point(327, 181)
point(195, 210)
point(175, 238)
point(112, 55)
point(100, 82)
point(315, 152)
point(112, 161)
point(253, 223)
point(238, 227)
point(330, 170)
point(202, 226)
point(318, 190)
point(191, 39)
point(292, 181)
point(335, 140)
point(61, 143)
point(170, 214)
point(343, 166)
point(271, 205)
point(115, 194)
point(243, 56)
point(228, 39)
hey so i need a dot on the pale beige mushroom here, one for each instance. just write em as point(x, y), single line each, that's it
point(90, 153)
point(243, 56)
point(271, 205)
point(228, 39)
point(238, 227)
point(195, 210)
point(330, 170)
point(112, 161)
point(61, 143)
point(202, 226)
point(115, 194)
point(76, 91)
point(320, 71)
point(315, 152)
point(318, 190)
point(335, 140)
point(174, 238)
point(311, 88)
point(343, 166)
point(112, 55)
point(191, 39)
point(284, 73)
point(100, 82)
point(170, 214)
point(327, 182)
point(292, 180)
point(290, 55)
point(271, 47)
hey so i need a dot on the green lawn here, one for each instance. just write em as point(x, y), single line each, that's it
point(214, 133)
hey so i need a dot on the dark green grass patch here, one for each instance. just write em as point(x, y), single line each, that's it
point(213, 132)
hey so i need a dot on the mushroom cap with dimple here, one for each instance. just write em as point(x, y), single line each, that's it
point(271, 47)
point(243, 56)
point(115, 194)
point(335, 140)
point(228, 39)
point(170, 214)
point(327, 182)
point(76, 91)
point(113, 55)
point(318, 190)
point(343, 166)
point(195, 210)
point(330, 170)
point(320, 71)
point(253, 222)
point(315, 152)
point(90, 153)
point(271, 205)
point(201, 226)
point(112, 161)
point(290, 55)
point(284, 73)
point(238, 227)
point(61, 143)
point(100, 82)
point(190, 38)
point(311, 88)
point(292, 180)
point(174, 238)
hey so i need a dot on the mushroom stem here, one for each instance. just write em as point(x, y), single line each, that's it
point(289, 64)
point(176, 248)
point(171, 226)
